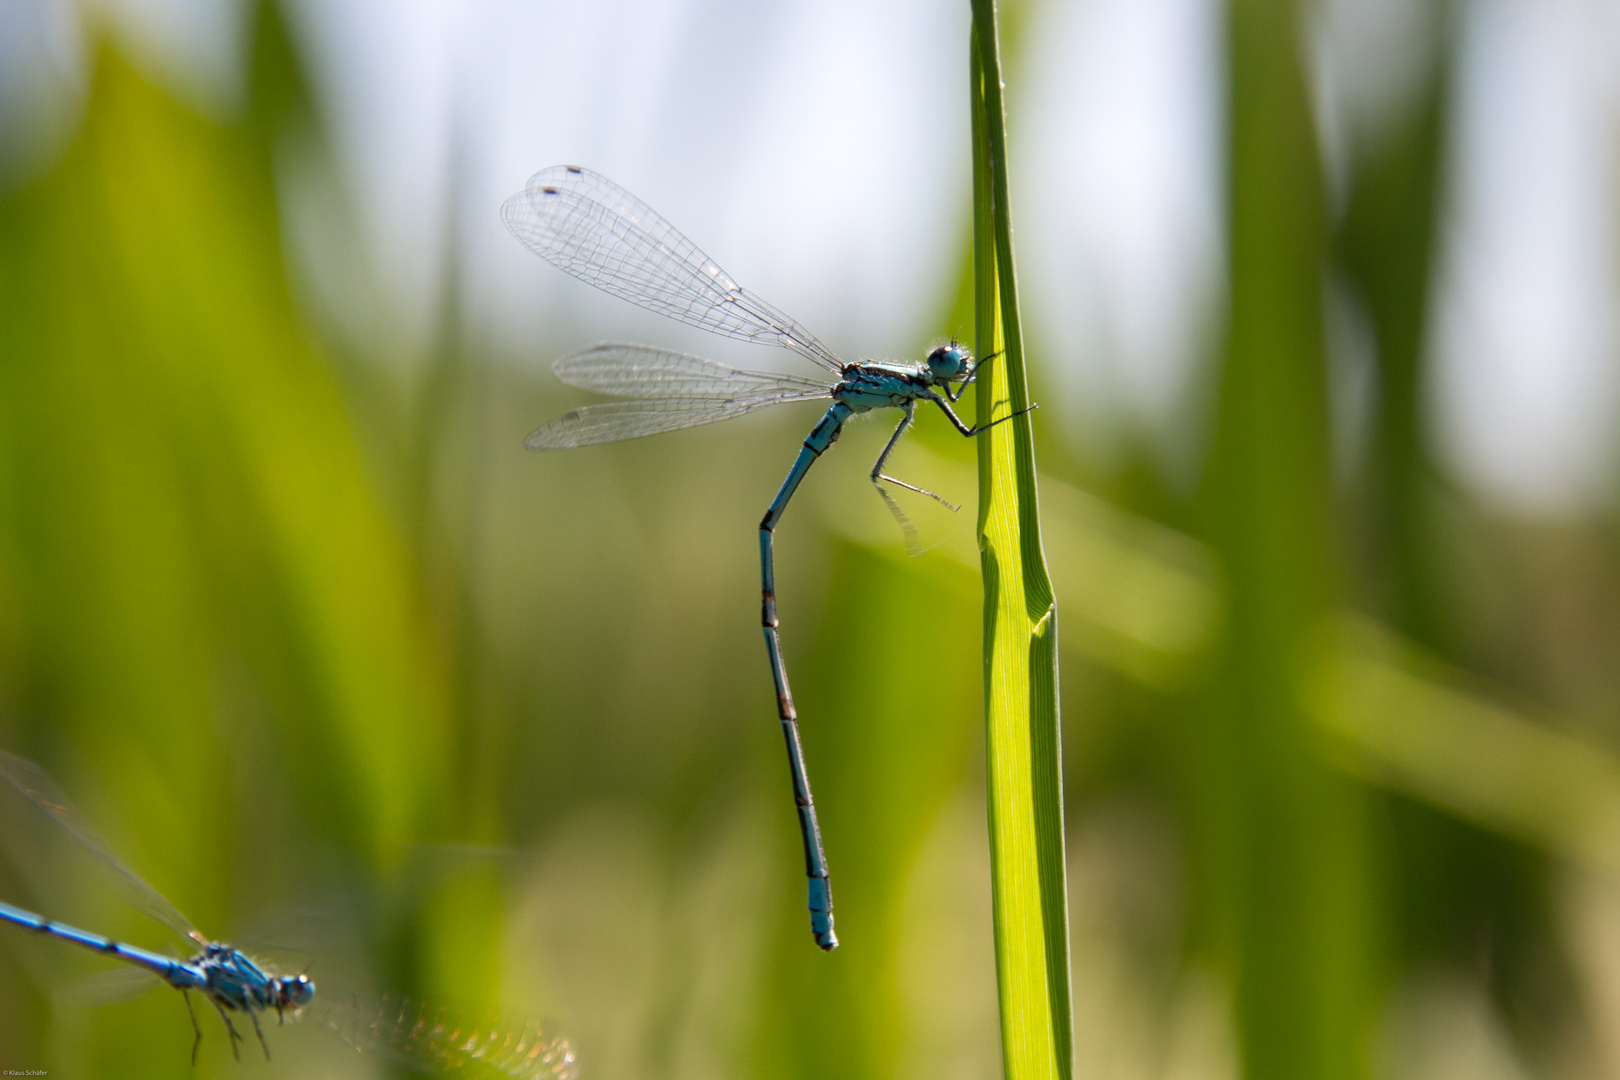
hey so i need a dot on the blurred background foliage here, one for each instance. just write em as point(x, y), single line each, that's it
point(334, 664)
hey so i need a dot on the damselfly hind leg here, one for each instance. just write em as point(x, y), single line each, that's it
point(912, 546)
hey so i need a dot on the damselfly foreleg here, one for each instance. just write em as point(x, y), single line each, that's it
point(967, 378)
point(969, 432)
point(815, 860)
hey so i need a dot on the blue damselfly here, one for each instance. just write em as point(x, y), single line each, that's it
point(226, 978)
point(234, 983)
point(595, 230)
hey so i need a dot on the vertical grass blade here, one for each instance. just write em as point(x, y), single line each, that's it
point(1020, 629)
point(1293, 865)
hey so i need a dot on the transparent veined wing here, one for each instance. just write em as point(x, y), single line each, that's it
point(591, 227)
point(109, 987)
point(32, 782)
point(615, 421)
point(643, 371)
point(415, 1034)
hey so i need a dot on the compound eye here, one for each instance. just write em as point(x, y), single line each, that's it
point(300, 990)
point(947, 361)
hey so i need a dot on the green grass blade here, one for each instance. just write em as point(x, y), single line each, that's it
point(1020, 630)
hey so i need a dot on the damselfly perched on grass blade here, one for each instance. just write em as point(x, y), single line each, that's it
point(595, 230)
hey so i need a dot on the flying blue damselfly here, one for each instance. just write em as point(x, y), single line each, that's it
point(234, 983)
point(226, 978)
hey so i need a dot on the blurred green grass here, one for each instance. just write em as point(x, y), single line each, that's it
point(194, 545)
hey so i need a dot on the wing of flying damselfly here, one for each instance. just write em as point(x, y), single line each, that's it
point(429, 1038)
point(38, 788)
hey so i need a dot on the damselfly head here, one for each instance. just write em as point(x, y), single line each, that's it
point(947, 363)
point(294, 991)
